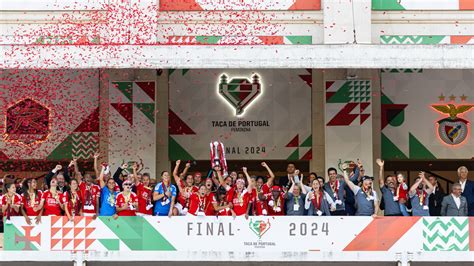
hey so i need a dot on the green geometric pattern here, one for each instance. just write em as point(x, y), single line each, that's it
point(411, 39)
point(390, 151)
point(148, 109)
point(360, 91)
point(136, 233)
point(62, 151)
point(446, 234)
point(176, 152)
point(110, 244)
point(13, 239)
point(294, 156)
point(126, 88)
point(386, 5)
point(418, 150)
point(298, 40)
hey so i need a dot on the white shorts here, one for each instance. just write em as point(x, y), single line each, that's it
point(86, 214)
point(180, 209)
point(142, 214)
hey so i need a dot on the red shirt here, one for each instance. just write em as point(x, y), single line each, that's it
point(144, 199)
point(51, 203)
point(211, 200)
point(185, 189)
point(31, 203)
point(89, 195)
point(198, 204)
point(401, 192)
point(261, 205)
point(239, 201)
point(120, 201)
point(73, 203)
point(16, 201)
point(278, 207)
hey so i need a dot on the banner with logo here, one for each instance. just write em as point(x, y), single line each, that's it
point(427, 114)
point(256, 114)
point(277, 234)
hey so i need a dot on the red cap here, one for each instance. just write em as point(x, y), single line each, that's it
point(276, 188)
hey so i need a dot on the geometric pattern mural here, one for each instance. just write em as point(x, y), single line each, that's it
point(422, 5)
point(409, 123)
point(446, 235)
point(348, 122)
point(132, 123)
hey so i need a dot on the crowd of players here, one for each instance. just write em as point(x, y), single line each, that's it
point(69, 192)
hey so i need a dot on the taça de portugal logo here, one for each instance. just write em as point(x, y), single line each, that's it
point(259, 227)
point(453, 130)
point(239, 92)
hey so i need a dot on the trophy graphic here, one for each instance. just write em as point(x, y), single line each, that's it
point(218, 157)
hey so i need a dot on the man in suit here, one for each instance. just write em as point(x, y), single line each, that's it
point(285, 181)
point(436, 197)
point(467, 187)
point(454, 204)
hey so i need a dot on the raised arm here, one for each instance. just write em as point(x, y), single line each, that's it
point(96, 164)
point(217, 171)
point(430, 188)
point(117, 175)
point(101, 177)
point(135, 173)
point(186, 168)
point(249, 180)
point(380, 163)
point(50, 175)
point(351, 185)
point(414, 186)
point(270, 173)
point(176, 177)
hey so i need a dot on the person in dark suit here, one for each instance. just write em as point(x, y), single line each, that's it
point(467, 187)
point(436, 197)
point(285, 181)
point(454, 204)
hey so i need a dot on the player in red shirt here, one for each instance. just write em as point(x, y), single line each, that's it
point(31, 200)
point(221, 206)
point(72, 200)
point(238, 195)
point(276, 202)
point(211, 198)
point(144, 192)
point(50, 200)
point(127, 201)
point(186, 189)
point(199, 202)
point(11, 201)
point(89, 193)
point(261, 192)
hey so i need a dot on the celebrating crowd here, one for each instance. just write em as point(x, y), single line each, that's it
point(130, 193)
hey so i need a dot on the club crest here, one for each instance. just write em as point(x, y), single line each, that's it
point(239, 92)
point(259, 227)
point(453, 130)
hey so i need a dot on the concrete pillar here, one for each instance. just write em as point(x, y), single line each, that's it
point(318, 163)
point(342, 17)
point(162, 128)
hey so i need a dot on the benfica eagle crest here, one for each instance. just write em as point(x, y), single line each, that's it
point(240, 92)
point(453, 130)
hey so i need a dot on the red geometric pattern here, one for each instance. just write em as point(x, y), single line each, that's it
point(345, 117)
point(75, 235)
point(91, 124)
point(294, 142)
point(308, 78)
point(177, 126)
